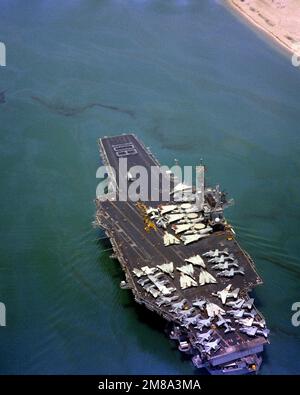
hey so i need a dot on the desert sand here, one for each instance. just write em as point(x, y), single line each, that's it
point(278, 18)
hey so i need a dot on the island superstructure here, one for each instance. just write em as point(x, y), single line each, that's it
point(181, 260)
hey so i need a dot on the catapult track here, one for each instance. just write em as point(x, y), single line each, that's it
point(135, 248)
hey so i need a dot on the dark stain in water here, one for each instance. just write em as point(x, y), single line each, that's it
point(2, 97)
point(69, 111)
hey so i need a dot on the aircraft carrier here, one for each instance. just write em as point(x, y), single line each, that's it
point(181, 260)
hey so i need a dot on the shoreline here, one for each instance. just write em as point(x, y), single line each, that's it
point(258, 17)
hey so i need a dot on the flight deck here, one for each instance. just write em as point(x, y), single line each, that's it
point(142, 251)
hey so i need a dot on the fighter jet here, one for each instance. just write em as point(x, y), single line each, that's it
point(206, 230)
point(196, 260)
point(178, 306)
point(237, 304)
point(222, 258)
point(192, 232)
point(222, 321)
point(162, 223)
point(265, 332)
point(250, 322)
point(213, 310)
point(169, 239)
point(197, 222)
point(200, 303)
point(253, 330)
point(215, 253)
point(204, 323)
point(208, 347)
point(245, 321)
point(190, 321)
point(206, 278)
point(248, 304)
point(150, 288)
point(204, 337)
point(185, 313)
point(147, 270)
point(160, 283)
point(226, 323)
point(143, 281)
point(242, 313)
point(167, 268)
point(231, 272)
point(167, 291)
point(187, 269)
point(139, 273)
point(166, 301)
point(193, 209)
point(236, 313)
point(154, 292)
point(187, 239)
point(167, 209)
point(181, 228)
point(187, 281)
point(225, 265)
point(157, 275)
point(174, 217)
point(226, 293)
point(251, 314)
point(228, 329)
point(249, 331)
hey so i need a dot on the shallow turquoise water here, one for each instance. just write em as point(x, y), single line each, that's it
point(192, 81)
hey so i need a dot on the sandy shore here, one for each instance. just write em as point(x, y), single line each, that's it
point(278, 18)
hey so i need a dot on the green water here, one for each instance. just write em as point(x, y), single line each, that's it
point(192, 81)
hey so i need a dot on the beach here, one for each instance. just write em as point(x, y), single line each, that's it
point(278, 18)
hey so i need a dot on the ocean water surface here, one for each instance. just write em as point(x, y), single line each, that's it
point(192, 81)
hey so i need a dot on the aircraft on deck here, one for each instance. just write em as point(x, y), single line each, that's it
point(166, 301)
point(208, 347)
point(253, 330)
point(213, 310)
point(178, 305)
point(200, 303)
point(232, 272)
point(186, 269)
point(196, 260)
point(225, 265)
point(187, 239)
point(167, 268)
point(222, 258)
point(190, 321)
point(206, 278)
point(215, 253)
point(169, 239)
point(185, 313)
point(242, 313)
point(143, 281)
point(204, 323)
point(187, 281)
point(238, 304)
point(204, 337)
point(248, 305)
point(226, 293)
point(226, 323)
